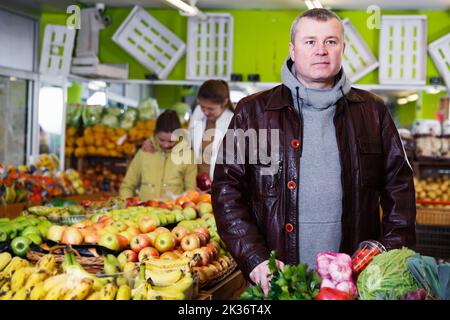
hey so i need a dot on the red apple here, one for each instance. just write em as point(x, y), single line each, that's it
point(148, 252)
point(203, 230)
point(151, 203)
point(131, 255)
point(190, 204)
point(139, 242)
point(161, 229)
point(147, 224)
point(203, 238)
point(123, 241)
point(72, 236)
point(163, 205)
point(105, 220)
point(179, 232)
point(203, 181)
point(165, 241)
point(214, 250)
point(190, 242)
point(204, 256)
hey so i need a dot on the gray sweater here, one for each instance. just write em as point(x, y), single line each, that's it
point(319, 186)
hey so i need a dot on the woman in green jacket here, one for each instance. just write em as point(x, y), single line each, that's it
point(156, 175)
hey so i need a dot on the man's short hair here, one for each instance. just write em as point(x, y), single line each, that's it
point(319, 14)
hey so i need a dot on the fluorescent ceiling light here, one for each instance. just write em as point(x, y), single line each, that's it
point(413, 97)
point(309, 4)
point(317, 4)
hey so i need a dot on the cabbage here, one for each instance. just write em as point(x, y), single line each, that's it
point(387, 276)
point(148, 109)
point(74, 111)
point(110, 120)
point(128, 118)
point(91, 115)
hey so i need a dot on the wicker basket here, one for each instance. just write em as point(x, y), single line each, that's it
point(90, 264)
point(433, 216)
point(218, 277)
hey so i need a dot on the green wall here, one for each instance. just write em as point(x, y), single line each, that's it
point(260, 41)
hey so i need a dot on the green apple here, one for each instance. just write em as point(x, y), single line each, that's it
point(178, 215)
point(95, 217)
point(120, 226)
point(204, 208)
point(110, 241)
point(111, 229)
point(201, 222)
point(187, 224)
point(162, 219)
point(189, 213)
point(171, 218)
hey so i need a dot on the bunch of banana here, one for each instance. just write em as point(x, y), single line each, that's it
point(13, 276)
point(180, 290)
point(182, 264)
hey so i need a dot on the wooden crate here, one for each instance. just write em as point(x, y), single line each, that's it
point(230, 288)
point(433, 216)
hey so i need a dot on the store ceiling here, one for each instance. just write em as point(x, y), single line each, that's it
point(39, 6)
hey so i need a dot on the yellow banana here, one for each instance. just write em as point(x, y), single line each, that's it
point(47, 263)
point(123, 293)
point(5, 259)
point(153, 294)
point(20, 277)
point(36, 278)
point(163, 277)
point(15, 264)
point(94, 296)
point(81, 291)
point(22, 294)
point(140, 293)
point(54, 281)
point(108, 292)
point(8, 294)
point(6, 288)
point(167, 264)
point(37, 292)
point(181, 286)
point(57, 292)
point(4, 278)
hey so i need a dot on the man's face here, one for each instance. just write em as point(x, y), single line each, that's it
point(317, 51)
point(164, 140)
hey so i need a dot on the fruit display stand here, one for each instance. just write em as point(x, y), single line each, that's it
point(14, 210)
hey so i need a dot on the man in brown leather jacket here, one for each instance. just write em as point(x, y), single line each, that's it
point(335, 157)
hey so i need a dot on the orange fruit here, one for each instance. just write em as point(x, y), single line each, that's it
point(193, 195)
point(181, 199)
point(204, 197)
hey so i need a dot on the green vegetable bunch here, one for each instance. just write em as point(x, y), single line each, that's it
point(293, 283)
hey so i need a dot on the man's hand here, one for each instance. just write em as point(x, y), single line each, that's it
point(148, 146)
point(260, 274)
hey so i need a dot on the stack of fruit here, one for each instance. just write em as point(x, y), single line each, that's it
point(433, 192)
point(32, 184)
point(21, 281)
point(101, 140)
point(23, 231)
point(99, 178)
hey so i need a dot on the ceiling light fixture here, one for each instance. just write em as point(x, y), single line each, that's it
point(189, 10)
point(311, 4)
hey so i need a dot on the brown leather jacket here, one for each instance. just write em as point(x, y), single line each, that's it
point(258, 213)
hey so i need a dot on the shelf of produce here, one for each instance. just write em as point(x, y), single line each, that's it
point(13, 210)
point(421, 163)
point(230, 288)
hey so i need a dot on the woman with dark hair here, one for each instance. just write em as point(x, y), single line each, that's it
point(164, 172)
point(208, 124)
